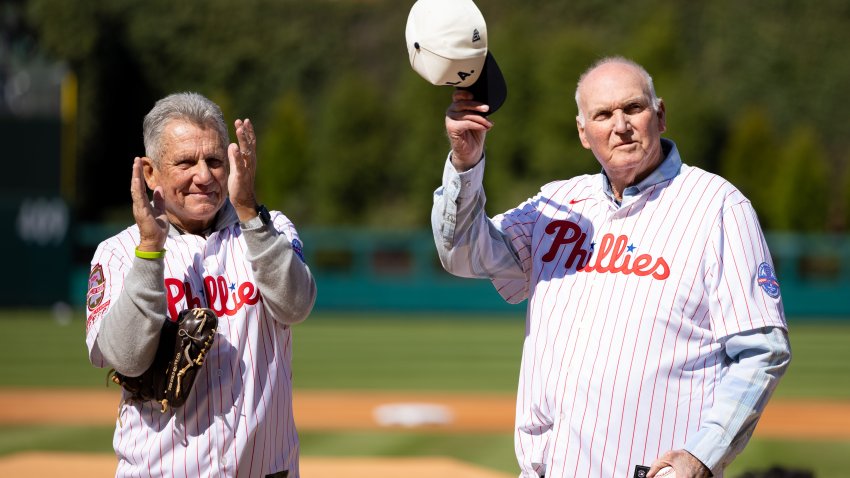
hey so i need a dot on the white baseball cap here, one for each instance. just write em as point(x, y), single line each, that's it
point(447, 45)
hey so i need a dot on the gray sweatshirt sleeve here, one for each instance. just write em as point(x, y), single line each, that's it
point(129, 333)
point(285, 282)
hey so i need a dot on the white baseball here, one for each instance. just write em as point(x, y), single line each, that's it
point(666, 472)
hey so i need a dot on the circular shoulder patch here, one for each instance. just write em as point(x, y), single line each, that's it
point(97, 284)
point(767, 280)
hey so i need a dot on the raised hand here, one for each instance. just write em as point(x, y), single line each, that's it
point(151, 218)
point(243, 170)
point(466, 128)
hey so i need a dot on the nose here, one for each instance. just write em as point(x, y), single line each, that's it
point(621, 123)
point(203, 174)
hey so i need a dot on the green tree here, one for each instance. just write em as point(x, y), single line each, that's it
point(419, 148)
point(554, 147)
point(749, 161)
point(842, 216)
point(800, 191)
point(283, 154)
point(714, 63)
point(351, 151)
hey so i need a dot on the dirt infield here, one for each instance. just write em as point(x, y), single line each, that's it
point(79, 465)
point(315, 410)
point(347, 410)
point(351, 410)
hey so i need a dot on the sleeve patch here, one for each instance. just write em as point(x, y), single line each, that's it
point(767, 280)
point(96, 314)
point(97, 286)
point(298, 248)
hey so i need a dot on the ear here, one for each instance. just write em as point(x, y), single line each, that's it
point(582, 135)
point(662, 116)
point(150, 173)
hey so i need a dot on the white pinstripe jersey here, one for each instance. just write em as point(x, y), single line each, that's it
point(627, 307)
point(237, 421)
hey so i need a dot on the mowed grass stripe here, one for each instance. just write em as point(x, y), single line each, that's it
point(409, 353)
point(435, 351)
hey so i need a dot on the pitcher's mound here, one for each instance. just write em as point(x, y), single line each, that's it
point(78, 465)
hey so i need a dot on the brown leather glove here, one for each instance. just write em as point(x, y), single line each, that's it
point(183, 345)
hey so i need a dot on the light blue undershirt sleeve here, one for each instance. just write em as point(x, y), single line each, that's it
point(468, 243)
point(756, 360)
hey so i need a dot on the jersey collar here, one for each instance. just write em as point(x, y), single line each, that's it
point(668, 169)
point(225, 217)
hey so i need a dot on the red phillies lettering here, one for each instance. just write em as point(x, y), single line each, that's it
point(611, 256)
point(566, 233)
point(217, 296)
point(222, 298)
point(174, 293)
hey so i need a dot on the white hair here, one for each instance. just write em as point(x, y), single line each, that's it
point(189, 106)
point(655, 101)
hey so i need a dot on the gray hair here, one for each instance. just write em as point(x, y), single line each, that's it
point(188, 106)
point(655, 101)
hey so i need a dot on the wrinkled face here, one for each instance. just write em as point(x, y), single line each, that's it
point(620, 127)
point(192, 173)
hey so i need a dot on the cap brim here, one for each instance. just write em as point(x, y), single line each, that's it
point(490, 87)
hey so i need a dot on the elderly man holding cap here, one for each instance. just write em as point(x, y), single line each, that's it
point(655, 331)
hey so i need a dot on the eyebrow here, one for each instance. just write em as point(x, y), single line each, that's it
point(635, 99)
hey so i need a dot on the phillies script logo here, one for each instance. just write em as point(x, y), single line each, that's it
point(613, 255)
point(222, 298)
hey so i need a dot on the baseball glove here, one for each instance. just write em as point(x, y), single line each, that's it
point(183, 345)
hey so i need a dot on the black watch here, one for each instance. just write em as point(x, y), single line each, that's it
point(263, 218)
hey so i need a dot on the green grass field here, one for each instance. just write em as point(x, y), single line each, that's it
point(439, 352)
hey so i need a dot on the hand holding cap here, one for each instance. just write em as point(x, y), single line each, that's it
point(447, 45)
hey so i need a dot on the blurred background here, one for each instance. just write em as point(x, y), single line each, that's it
point(351, 144)
point(352, 140)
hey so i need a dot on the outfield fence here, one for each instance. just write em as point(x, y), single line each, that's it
point(374, 270)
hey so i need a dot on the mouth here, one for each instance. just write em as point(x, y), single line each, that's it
point(204, 195)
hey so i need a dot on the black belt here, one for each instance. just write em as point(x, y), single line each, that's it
point(279, 474)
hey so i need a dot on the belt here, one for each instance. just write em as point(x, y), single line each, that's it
point(279, 474)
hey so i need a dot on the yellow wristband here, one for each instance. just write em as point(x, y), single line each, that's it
point(150, 255)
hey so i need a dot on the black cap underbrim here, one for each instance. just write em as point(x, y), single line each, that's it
point(490, 87)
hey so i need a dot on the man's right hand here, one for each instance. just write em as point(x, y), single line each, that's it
point(466, 128)
point(151, 219)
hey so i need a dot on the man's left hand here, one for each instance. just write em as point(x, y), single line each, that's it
point(684, 464)
point(243, 170)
